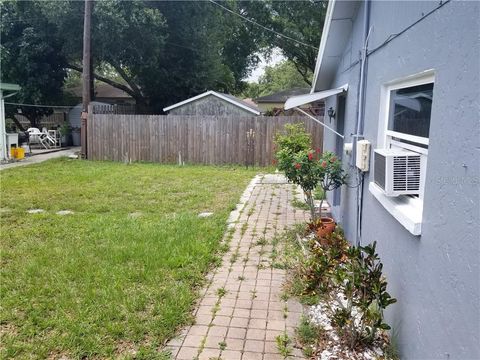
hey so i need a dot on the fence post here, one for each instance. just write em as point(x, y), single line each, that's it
point(86, 121)
point(83, 134)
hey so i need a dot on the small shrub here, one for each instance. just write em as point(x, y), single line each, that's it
point(315, 270)
point(360, 280)
point(294, 139)
point(348, 279)
point(306, 167)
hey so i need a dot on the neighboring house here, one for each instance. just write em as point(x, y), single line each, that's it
point(52, 121)
point(274, 103)
point(107, 99)
point(74, 116)
point(213, 103)
point(105, 93)
point(416, 91)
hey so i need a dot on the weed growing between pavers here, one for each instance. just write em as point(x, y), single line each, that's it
point(284, 344)
point(299, 204)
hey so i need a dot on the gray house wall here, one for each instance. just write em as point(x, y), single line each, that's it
point(210, 105)
point(435, 276)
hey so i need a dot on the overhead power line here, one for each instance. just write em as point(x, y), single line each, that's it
point(44, 106)
point(263, 27)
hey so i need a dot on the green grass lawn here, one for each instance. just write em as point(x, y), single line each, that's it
point(120, 273)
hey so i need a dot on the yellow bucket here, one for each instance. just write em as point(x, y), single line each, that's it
point(17, 153)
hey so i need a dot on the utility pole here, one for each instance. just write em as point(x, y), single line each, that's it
point(86, 75)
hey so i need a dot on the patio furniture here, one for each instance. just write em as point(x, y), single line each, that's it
point(56, 136)
point(41, 137)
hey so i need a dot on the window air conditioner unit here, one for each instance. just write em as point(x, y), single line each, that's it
point(398, 172)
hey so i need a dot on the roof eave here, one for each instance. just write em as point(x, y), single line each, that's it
point(336, 31)
point(323, 43)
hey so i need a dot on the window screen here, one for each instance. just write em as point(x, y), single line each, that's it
point(410, 110)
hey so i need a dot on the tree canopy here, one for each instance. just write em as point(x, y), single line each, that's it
point(302, 20)
point(282, 76)
point(159, 52)
point(31, 56)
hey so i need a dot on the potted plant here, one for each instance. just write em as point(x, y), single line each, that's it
point(294, 158)
point(66, 134)
point(331, 176)
point(309, 169)
point(301, 168)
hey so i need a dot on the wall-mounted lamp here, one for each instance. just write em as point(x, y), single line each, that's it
point(331, 113)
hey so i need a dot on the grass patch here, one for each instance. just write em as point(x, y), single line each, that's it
point(91, 283)
point(318, 194)
point(308, 336)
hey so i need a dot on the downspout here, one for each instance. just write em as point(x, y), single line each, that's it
point(363, 69)
point(361, 115)
point(3, 135)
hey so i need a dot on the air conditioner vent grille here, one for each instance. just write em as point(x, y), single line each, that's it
point(406, 173)
point(379, 170)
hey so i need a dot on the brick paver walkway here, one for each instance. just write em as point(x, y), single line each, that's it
point(242, 312)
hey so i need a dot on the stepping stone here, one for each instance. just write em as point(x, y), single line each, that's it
point(35, 211)
point(64, 212)
point(135, 215)
point(205, 214)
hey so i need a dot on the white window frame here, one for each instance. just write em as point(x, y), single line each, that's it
point(406, 209)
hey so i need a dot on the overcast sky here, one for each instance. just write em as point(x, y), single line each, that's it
point(274, 59)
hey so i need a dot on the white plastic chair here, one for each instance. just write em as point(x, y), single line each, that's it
point(48, 138)
point(34, 135)
point(38, 137)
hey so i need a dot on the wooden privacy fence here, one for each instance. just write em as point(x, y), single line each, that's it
point(191, 139)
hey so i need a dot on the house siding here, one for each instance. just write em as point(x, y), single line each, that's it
point(210, 105)
point(435, 276)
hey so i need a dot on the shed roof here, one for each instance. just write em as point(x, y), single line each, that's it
point(9, 87)
point(227, 97)
point(102, 90)
point(281, 96)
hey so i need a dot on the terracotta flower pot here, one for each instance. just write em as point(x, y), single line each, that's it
point(326, 227)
